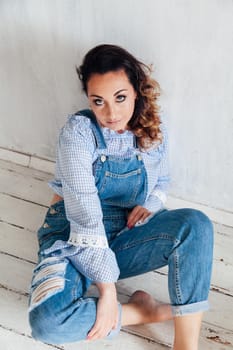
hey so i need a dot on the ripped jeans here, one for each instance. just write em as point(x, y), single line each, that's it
point(59, 312)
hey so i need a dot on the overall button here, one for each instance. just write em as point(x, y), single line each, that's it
point(139, 157)
point(103, 158)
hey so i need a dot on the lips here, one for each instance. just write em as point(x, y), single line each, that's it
point(113, 122)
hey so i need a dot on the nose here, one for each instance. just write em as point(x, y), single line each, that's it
point(111, 113)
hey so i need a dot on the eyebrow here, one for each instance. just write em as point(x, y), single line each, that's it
point(116, 93)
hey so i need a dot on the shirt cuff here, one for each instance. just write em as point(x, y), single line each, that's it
point(97, 264)
point(153, 204)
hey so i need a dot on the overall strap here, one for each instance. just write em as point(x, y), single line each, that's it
point(99, 138)
point(135, 141)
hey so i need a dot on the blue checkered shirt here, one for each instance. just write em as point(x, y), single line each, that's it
point(87, 246)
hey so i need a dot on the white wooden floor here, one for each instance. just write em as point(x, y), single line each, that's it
point(24, 198)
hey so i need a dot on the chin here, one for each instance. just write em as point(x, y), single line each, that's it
point(117, 127)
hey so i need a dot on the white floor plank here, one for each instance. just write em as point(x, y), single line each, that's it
point(122, 342)
point(223, 245)
point(25, 183)
point(24, 170)
point(14, 313)
point(216, 339)
point(18, 212)
point(18, 242)
point(15, 273)
point(12, 341)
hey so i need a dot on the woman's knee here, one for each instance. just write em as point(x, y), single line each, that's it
point(185, 222)
point(51, 291)
point(200, 222)
point(51, 327)
point(44, 326)
point(198, 231)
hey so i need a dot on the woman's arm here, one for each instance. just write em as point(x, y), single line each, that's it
point(158, 195)
point(87, 246)
point(107, 312)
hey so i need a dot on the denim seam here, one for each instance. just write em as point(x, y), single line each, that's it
point(113, 217)
point(177, 277)
point(123, 176)
point(74, 289)
point(135, 243)
point(86, 300)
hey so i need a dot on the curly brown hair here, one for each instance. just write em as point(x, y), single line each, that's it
point(145, 121)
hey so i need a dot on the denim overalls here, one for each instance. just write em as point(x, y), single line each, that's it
point(182, 239)
point(121, 184)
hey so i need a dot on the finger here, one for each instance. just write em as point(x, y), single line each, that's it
point(134, 216)
point(137, 217)
point(133, 213)
point(95, 329)
point(144, 216)
point(98, 332)
point(115, 325)
point(101, 333)
point(92, 333)
point(96, 335)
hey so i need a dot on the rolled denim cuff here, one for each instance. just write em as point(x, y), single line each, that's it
point(114, 332)
point(181, 310)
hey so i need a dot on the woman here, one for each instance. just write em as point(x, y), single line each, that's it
point(107, 219)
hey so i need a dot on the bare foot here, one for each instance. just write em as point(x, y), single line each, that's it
point(150, 310)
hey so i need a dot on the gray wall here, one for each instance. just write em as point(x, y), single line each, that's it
point(189, 42)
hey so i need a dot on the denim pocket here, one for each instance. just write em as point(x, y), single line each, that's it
point(120, 189)
point(55, 227)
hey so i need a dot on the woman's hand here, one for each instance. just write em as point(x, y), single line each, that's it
point(107, 312)
point(138, 214)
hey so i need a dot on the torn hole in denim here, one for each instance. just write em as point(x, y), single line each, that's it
point(47, 261)
point(45, 290)
point(52, 211)
point(48, 271)
point(48, 280)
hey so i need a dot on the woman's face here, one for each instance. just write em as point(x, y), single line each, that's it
point(112, 99)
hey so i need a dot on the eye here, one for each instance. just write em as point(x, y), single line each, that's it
point(120, 98)
point(98, 102)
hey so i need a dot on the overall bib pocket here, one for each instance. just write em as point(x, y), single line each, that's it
point(124, 188)
point(121, 182)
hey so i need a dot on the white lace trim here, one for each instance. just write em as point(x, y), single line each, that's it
point(160, 194)
point(93, 241)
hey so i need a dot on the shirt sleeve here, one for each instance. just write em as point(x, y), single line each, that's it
point(158, 196)
point(87, 246)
